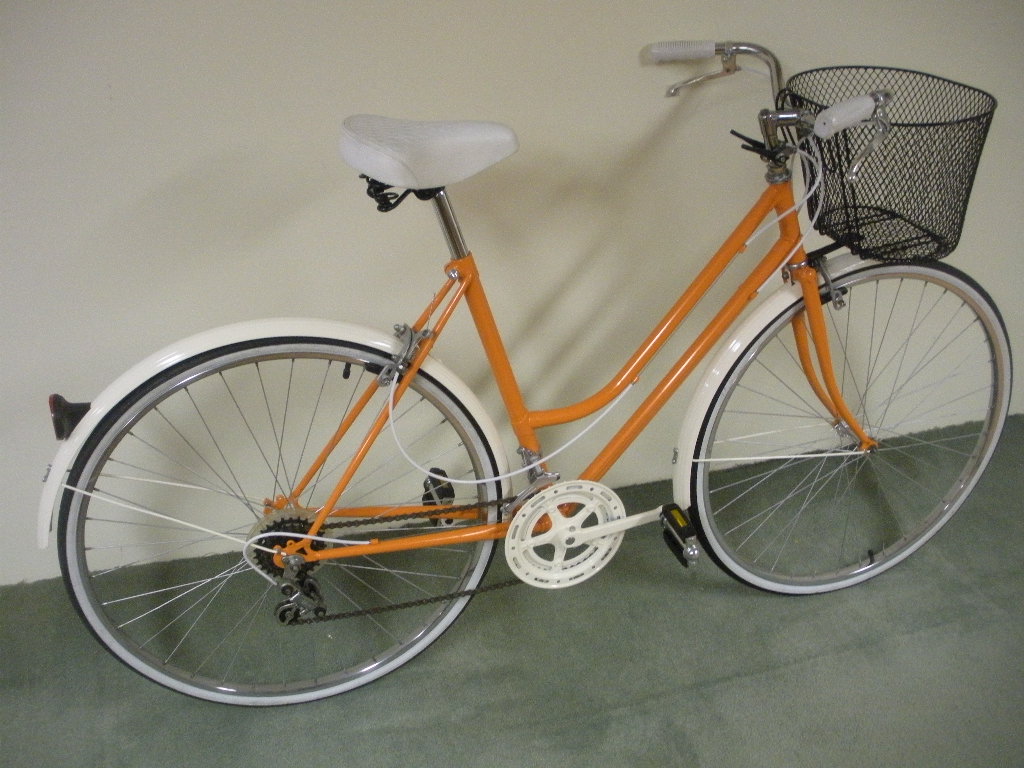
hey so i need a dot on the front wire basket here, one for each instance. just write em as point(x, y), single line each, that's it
point(910, 198)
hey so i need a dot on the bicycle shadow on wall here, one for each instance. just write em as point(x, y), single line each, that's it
point(618, 201)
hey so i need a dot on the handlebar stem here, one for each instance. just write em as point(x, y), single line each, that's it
point(771, 123)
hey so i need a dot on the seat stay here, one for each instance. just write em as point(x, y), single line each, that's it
point(405, 369)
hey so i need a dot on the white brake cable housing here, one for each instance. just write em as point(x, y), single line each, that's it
point(515, 472)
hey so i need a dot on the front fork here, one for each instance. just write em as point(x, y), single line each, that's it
point(809, 329)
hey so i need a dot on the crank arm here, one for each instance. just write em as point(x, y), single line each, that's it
point(583, 535)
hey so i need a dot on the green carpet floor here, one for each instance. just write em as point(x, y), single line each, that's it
point(644, 665)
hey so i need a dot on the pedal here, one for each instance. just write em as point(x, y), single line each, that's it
point(679, 534)
point(436, 488)
point(438, 492)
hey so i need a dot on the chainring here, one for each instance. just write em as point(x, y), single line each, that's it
point(542, 546)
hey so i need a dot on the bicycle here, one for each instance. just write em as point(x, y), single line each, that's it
point(279, 511)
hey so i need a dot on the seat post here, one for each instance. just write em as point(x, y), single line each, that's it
point(450, 225)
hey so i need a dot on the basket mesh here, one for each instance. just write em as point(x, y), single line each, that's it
point(911, 196)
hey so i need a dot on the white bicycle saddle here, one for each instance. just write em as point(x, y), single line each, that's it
point(423, 155)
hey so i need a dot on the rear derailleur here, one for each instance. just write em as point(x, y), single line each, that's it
point(302, 596)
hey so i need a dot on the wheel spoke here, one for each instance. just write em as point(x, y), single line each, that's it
point(789, 503)
point(178, 482)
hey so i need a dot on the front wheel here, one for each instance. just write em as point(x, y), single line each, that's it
point(785, 501)
point(177, 477)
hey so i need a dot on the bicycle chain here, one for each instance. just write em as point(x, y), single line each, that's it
point(408, 603)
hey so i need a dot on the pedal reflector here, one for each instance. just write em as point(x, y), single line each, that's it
point(679, 534)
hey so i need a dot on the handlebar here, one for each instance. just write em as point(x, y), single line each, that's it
point(678, 50)
point(830, 121)
point(855, 111)
point(671, 51)
point(849, 113)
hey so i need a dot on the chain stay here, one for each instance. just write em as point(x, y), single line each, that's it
point(409, 603)
point(456, 509)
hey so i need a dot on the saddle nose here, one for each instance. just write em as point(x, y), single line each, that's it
point(418, 154)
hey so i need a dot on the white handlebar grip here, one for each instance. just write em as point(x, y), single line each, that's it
point(843, 115)
point(678, 50)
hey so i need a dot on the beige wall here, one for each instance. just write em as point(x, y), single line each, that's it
point(172, 166)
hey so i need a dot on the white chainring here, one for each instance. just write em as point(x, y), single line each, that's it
point(541, 546)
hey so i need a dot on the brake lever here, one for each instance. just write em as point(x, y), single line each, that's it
point(729, 67)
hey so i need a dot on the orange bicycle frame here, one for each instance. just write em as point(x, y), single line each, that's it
point(464, 283)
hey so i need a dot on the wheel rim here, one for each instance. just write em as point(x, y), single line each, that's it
point(178, 603)
point(922, 361)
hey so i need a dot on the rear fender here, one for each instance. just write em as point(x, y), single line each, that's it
point(67, 453)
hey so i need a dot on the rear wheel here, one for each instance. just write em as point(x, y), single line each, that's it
point(784, 499)
point(175, 479)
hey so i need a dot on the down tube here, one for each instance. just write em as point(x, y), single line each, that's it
point(778, 198)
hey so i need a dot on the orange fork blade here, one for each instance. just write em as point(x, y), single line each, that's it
point(803, 347)
point(808, 279)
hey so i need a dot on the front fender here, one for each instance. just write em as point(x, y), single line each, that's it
point(723, 362)
point(56, 475)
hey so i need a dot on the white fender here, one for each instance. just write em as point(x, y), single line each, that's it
point(723, 362)
point(58, 470)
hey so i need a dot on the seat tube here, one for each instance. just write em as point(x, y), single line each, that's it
point(462, 267)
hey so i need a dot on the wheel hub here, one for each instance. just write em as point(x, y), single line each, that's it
point(273, 532)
